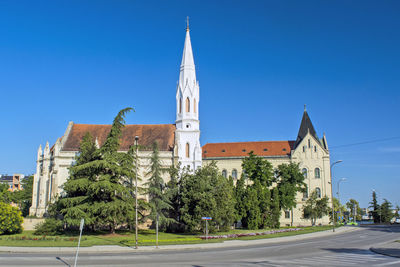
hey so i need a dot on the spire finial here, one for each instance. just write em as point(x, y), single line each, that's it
point(305, 109)
point(187, 23)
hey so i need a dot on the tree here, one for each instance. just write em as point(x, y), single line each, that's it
point(206, 193)
point(257, 205)
point(103, 197)
point(386, 211)
point(376, 212)
point(24, 197)
point(158, 201)
point(315, 207)
point(76, 204)
point(174, 197)
point(339, 209)
point(5, 195)
point(10, 219)
point(355, 209)
point(290, 181)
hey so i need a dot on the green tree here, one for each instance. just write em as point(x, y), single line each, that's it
point(276, 211)
point(107, 200)
point(258, 169)
point(24, 197)
point(290, 181)
point(10, 219)
point(376, 214)
point(354, 208)
point(158, 199)
point(339, 209)
point(315, 207)
point(386, 211)
point(206, 193)
point(174, 197)
point(76, 204)
point(5, 195)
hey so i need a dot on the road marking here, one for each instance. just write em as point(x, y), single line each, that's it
point(388, 263)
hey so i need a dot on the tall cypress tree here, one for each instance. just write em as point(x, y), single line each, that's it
point(158, 201)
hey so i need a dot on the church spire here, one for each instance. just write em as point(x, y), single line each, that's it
point(306, 127)
point(187, 64)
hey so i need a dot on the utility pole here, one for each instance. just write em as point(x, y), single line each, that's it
point(136, 196)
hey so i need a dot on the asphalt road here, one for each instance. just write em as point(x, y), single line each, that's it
point(347, 249)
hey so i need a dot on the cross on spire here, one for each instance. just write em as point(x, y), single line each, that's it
point(187, 23)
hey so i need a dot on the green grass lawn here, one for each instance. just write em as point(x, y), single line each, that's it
point(126, 238)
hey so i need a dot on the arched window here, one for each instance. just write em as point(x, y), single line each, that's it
point(187, 150)
point(234, 174)
point(305, 193)
point(224, 173)
point(317, 173)
point(304, 172)
point(318, 190)
point(180, 105)
point(187, 105)
point(194, 106)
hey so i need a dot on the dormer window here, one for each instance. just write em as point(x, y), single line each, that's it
point(223, 150)
point(265, 149)
point(243, 150)
point(284, 149)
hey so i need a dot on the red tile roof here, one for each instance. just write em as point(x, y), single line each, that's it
point(164, 134)
point(242, 149)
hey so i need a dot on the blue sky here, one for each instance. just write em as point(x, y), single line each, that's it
point(258, 63)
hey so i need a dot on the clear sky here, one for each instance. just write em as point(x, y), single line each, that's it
point(258, 63)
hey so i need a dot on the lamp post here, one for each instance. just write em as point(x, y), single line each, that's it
point(136, 196)
point(333, 208)
point(338, 184)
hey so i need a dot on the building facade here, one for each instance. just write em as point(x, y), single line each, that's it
point(309, 151)
point(179, 143)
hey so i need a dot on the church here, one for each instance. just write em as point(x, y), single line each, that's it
point(179, 143)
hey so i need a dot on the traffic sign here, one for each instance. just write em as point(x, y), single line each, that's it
point(206, 218)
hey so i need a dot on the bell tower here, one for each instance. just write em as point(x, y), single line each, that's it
point(187, 110)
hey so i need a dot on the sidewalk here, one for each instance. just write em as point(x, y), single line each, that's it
point(225, 244)
point(388, 249)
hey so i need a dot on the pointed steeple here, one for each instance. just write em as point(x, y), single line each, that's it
point(187, 69)
point(306, 127)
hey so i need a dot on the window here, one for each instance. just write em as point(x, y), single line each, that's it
point(234, 174)
point(315, 148)
point(265, 149)
point(309, 143)
point(284, 149)
point(224, 173)
point(187, 150)
point(304, 172)
point(304, 148)
point(187, 105)
point(318, 190)
point(317, 173)
point(305, 193)
point(194, 106)
point(223, 150)
point(180, 105)
point(287, 214)
point(243, 150)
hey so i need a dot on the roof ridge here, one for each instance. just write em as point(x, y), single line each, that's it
point(252, 142)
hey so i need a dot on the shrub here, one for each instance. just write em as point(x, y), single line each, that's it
point(49, 227)
point(10, 219)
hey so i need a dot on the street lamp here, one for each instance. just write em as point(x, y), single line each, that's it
point(333, 209)
point(136, 196)
point(338, 184)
